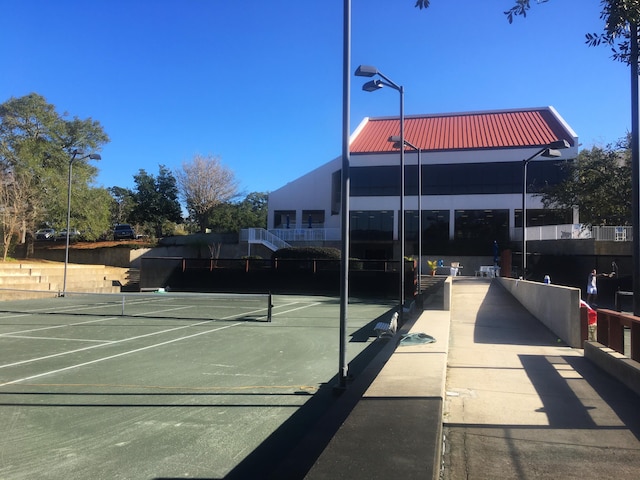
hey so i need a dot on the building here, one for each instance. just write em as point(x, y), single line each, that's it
point(471, 180)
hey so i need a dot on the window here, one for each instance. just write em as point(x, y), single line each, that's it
point(284, 219)
point(455, 179)
point(371, 225)
point(482, 225)
point(313, 218)
point(375, 181)
point(540, 217)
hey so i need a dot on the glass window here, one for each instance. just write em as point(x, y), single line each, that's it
point(371, 225)
point(455, 179)
point(483, 225)
point(313, 218)
point(375, 181)
point(540, 217)
point(284, 219)
point(435, 230)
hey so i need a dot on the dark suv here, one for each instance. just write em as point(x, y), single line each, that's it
point(123, 230)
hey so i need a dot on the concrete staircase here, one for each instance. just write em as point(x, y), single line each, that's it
point(30, 279)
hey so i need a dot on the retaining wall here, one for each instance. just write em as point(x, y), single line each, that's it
point(556, 306)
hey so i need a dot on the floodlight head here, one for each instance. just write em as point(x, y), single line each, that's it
point(95, 156)
point(77, 152)
point(395, 138)
point(559, 145)
point(372, 85)
point(551, 153)
point(366, 71)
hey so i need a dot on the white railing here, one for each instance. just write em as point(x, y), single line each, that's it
point(280, 237)
point(307, 234)
point(612, 233)
point(576, 231)
point(260, 235)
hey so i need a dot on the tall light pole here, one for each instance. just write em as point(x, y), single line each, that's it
point(635, 164)
point(396, 144)
point(75, 155)
point(372, 86)
point(550, 150)
point(343, 366)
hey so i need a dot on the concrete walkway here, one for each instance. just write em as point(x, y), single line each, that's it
point(520, 405)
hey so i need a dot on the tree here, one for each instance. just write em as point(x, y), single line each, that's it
point(91, 211)
point(599, 183)
point(14, 195)
point(35, 149)
point(204, 184)
point(122, 204)
point(618, 15)
point(233, 217)
point(156, 200)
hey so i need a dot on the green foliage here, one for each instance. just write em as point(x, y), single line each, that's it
point(232, 217)
point(306, 253)
point(35, 148)
point(155, 201)
point(91, 213)
point(618, 16)
point(121, 205)
point(599, 183)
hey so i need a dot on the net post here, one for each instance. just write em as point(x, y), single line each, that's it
point(269, 307)
point(123, 305)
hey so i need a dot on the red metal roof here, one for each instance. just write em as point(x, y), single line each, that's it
point(463, 131)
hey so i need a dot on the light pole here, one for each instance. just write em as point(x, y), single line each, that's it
point(550, 150)
point(396, 144)
point(372, 86)
point(343, 366)
point(75, 155)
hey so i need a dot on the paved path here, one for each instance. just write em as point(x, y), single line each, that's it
point(520, 405)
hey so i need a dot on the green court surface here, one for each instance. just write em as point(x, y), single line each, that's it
point(169, 389)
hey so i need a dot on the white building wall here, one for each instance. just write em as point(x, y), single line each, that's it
point(313, 190)
point(309, 192)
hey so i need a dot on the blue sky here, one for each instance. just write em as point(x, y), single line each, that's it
point(259, 83)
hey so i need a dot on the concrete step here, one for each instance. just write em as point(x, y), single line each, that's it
point(29, 279)
point(20, 280)
point(25, 294)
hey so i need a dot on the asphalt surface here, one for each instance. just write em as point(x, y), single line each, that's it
point(89, 395)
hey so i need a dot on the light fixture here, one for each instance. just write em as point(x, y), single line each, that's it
point(551, 150)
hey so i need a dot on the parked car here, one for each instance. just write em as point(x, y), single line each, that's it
point(73, 234)
point(123, 230)
point(46, 234)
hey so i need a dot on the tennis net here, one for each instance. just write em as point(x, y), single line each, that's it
point(174, 305)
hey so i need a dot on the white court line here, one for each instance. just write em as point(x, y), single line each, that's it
point(298, 308)
point(51, 327)
point(65, 339)
point(98, 360)
point(46, 357)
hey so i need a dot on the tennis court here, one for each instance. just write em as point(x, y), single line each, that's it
point(168, 385)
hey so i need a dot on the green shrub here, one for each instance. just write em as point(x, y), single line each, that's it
point(316, 253)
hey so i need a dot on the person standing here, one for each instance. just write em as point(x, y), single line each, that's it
point(592, 285)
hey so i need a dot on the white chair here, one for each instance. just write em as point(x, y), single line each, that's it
point(621, 234)
point(453, 270)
